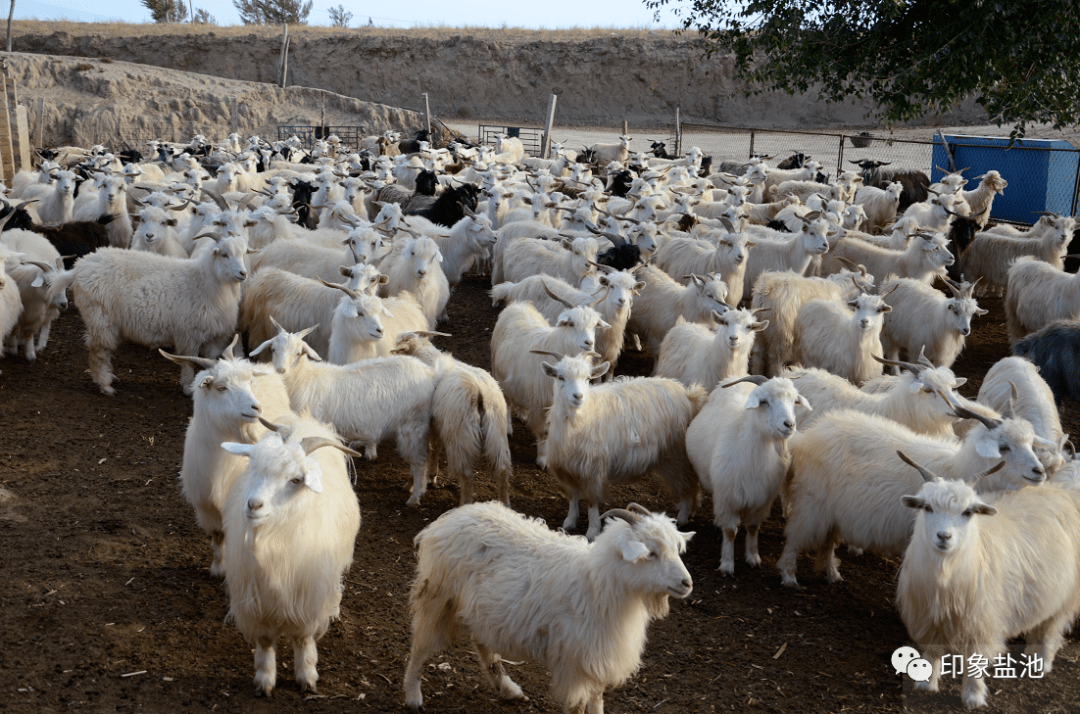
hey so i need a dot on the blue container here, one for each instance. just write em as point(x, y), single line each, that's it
point(1042, 173)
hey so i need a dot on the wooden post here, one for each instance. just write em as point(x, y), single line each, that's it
point(24, 153)
point(427, 112)
point(283, 64)
point(948, 151)
point(678, 134)
point(625, 128)
point(7, 152)
point(39, 133)
point(234, 118)
point(322, 115)
point(549, 121)
point(11, 14)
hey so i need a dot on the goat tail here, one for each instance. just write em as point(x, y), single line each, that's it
point(494, 429)
point(60, 283)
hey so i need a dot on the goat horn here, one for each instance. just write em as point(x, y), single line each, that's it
point(199, 362)
point(556, 355)
point(342, 288)
point(45, 267)
point(923, 360)
point(181, 207)
point(605, 268)
point(979, 477)
point(913, 368)
point(312, 443)
point(926, 473)
point(269, 424)
point(629, 516)
point(228, 353)
point(212, 234)
point(555, 297)
point(1011, 404)
point(758, 379)
point(965, 413)
point(846, 263)
point(638, 508)
point(430, 333)
point(216, 198)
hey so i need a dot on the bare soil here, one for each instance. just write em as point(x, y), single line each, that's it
point(106, 603)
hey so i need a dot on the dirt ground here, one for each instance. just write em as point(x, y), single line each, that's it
point(106, 603)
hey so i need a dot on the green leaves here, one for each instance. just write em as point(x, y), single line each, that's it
point(910, 57)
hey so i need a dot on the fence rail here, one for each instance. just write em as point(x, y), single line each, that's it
point(350, 136)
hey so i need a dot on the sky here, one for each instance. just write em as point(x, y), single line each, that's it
point(548, 14)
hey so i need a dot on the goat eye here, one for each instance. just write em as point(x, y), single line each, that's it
point(298, 479)
point(928, 509)
point(1003, 447)
point(967, 513)
point(221, 388)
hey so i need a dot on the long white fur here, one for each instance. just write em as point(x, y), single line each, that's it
point(990, 255)
point(33, 281)
point(194, 306)
point(781, 294)
point(923, 319)
point(841, 338)
point(680, 257)
point(54, 202)
point(981, 200)
point(738, 446)
point(521, 328)
point(923, 258)
point(470, 417)
point(568, 259)
point(1039, 293)
point(693, 353)
point(1034, 400)
point(843, 485)
point(663, 301)
point(368, 402)
point(880, 205)
point(616, 433)
point(1007, 569)
point(794, 253)
point(291, 540)
point(504, 580)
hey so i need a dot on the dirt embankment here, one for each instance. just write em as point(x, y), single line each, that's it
point(600, 80)
point(103, 101)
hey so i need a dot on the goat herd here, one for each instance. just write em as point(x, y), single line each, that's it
point(770, 298)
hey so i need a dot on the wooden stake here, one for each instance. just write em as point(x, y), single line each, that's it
point(427, 111)
point(39, 133)
point(234, 118)
point(283, 63)
point(625, 128)
point(549, 121)
point(11, 14)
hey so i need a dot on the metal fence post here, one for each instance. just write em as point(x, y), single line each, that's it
point(751, 144)
point(678, 134)
point(840, 157)
point(427, 112)
point(1076, 186)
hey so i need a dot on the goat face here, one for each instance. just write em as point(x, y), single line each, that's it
point(869, 311)
point(226, 389)
point(423, 256)
point(283, 474)
point(583, 323)
point(737, 327)
point(229, 258)
point(572, 376)
point(649, 552)
point(946, 510)
point(778, 396)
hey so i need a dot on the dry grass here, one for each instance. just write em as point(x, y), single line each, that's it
point(503, 34)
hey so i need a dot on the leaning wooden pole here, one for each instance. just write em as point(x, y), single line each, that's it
point(11, 14)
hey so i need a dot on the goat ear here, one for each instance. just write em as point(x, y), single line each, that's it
point(754, 401)
point(312, 354)
point(206, 383)
point(238, 449)
point(632, 549)
point(759, 326)
point(801, 401)
point(887, 308)
point(639, 285)
point(549, 369)
point(983, 509)
point(912, 501)
point(600, 370)
point(38, 281)
point(384, 279)
point(313, 475)
point(960, 381)
point(345, 271)
point(385, 310)
point(987, 447)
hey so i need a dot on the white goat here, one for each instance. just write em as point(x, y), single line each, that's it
point(504, 580)
point(1038, 294)
point(470, 416)
point(55, 202)
point(841, 340)
point(1013, 386)
point(616, 433)
point(568, 259)
point(520, 329)
point(230, 395)
point(683, 257)
point(695, 354)
point(880, 205)
point(109, 197)
point(368, 402)
point(782, 294)
point(738, 446)
point(293, 518)
point(925, 320)
point(33, 273)
point(990, 255)
point(10, 299)
point(976, 575)
point(604, 154)
point(662, 301)
point(795, 253)
point(981, 200)
point(926, 255)
point(468, 241)
point(191, 305)
point(415, 269)
point(839, 488)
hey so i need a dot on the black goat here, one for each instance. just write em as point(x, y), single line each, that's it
point(449, 208)
point(915, 183)
point(621, 257)
point(426, 183)
point(620, 183)
point(961, 233)
point(706, 166)
point(130, 156)
point(659, 150)
point(411, 146)
point(1055, 350)
point(1072, 265)
point(303, 192)
point(778, 226)
point(795, 161)
point(73, 240)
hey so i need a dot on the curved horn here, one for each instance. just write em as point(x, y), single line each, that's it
point(430, 333)
point(556, 355)
point(913, 368)
point(847, 263)
point(269, 424)
point(555, 297)
point(1010, 406)
point(342, 288)
point(629, 516)
point(311, 443)
point(758, 379)
point(196, 362)
point(228, 353)
point(44, 267)
point(216, 198)
point(965, 413)
point(923, 360)
point(638, 508)
point(242, 206)
point(926, 473)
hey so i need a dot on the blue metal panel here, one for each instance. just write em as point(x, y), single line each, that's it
point(1041, 173)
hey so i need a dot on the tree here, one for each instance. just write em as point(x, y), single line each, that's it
point(273, 12)
point(911, 57)
point(203, 17)
point(166, 10)
point(340, 17)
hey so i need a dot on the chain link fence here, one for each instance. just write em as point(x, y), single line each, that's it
point(579, 138)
